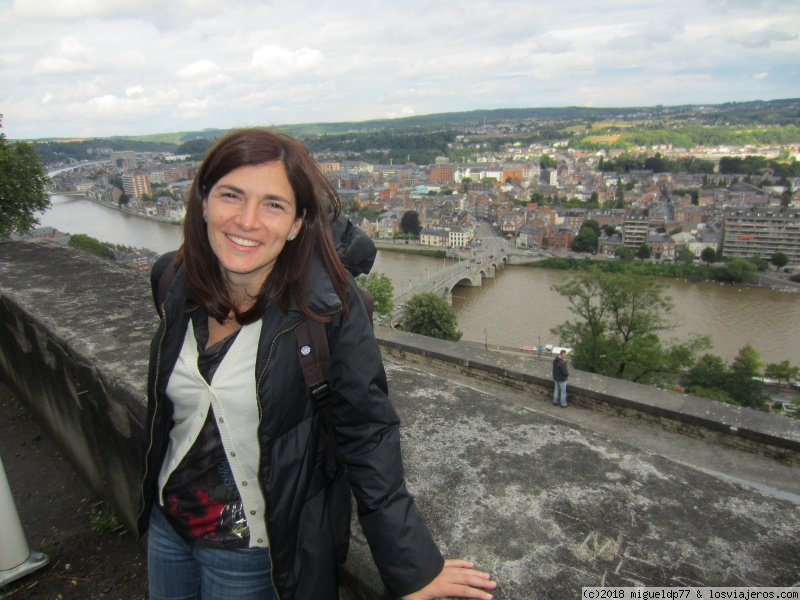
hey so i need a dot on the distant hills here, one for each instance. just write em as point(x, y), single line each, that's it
point(422, 138)
point(774, 112)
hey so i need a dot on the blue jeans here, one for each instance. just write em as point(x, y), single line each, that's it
point(560, 390)
point(178, 570)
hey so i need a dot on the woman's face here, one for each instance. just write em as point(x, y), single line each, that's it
point(251, 215)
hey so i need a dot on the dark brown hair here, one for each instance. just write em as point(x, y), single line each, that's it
point(313, 193)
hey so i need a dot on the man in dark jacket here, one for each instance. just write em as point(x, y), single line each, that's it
point(560, 376)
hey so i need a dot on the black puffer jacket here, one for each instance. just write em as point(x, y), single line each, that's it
point(302, 536)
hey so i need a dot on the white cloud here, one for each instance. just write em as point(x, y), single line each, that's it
point(75, 9)
point(72, 55)
point(69, 56)
point(405, 111)
point(113, 66)
point(280, 63)
point(10, 59)
point(200, 68)
point(765, 38)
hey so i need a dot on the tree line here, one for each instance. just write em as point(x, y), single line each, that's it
point(693, 136)
point(619, 319)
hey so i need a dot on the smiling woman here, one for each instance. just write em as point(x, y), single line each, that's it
point(237, 489)
point(251, 213)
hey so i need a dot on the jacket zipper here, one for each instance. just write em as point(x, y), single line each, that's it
point(155, 413)
point(258, 440)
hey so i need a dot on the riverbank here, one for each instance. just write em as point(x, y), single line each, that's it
point(118, 208)
point(777, 281)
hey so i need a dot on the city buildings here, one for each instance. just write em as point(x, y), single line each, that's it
point(533, 207)
point(761, 232)
point(136, 183)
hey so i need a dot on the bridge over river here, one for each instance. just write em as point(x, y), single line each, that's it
point(467, 272)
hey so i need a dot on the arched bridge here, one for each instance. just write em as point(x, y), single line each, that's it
point(467, 272)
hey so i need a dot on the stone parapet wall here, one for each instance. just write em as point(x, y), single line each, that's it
point(74, 337)
point(738, 427)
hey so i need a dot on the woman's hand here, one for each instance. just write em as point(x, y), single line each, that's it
point(459, 579)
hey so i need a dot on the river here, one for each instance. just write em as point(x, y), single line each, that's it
point(517, 308)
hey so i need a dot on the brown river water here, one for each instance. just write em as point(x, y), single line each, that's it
point(517, 308)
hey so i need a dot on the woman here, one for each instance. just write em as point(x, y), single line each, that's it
point(234, 489)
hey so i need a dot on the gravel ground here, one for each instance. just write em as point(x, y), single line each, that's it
point(90, 556)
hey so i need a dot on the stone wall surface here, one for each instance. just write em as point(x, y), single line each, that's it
point(546, 505)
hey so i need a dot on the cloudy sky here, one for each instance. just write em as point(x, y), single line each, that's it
point(84, 68)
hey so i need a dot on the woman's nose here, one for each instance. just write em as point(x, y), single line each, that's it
point(248, 215)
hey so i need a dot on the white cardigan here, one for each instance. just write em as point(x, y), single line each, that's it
point(232, 394)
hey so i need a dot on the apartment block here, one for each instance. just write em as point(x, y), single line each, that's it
point(634, 231)
point(441, 174)
point(136, 183)
point(762, 232)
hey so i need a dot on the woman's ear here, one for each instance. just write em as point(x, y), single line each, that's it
point(297, 226)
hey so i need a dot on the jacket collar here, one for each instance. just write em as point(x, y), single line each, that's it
point(320, 294)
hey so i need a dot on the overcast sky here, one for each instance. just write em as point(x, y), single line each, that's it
point(86, 68)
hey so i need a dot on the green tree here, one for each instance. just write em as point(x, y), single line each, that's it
point(409, 222)
point(619, 318)
point(708, 255)
point(643, 252)
point(759, 263)
point(744, 387)
point(586, 240)
point(593, 225)
point(779, 260)
point(686, 256)
point(429, 314)
point(91, 245)
point(781, 371)
point(619, 196)
point(546, 161)
point(787, 195)
point(350, 206)
point(738, 385)
point(196, 148)
point(708, 378)
point(747, 361)
point(381, 289)
point(656, 163)
point(738, 270)
point(625, 253)
point(23, 187)
point(538, 197)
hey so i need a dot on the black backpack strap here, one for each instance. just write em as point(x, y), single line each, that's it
point(161, 277)
point(315, 359)
point(369, 303)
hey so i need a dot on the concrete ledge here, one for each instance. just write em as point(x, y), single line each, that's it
point(74, 331)
point(744, 428)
